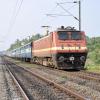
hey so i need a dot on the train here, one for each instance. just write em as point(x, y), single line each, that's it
point(64, 48)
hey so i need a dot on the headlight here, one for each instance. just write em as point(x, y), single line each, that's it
point(82, 58)
point(71, 58)
point(61, 59)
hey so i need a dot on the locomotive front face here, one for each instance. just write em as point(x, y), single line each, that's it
point(71, 50)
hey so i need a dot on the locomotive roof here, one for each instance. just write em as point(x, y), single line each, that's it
point(66, 29)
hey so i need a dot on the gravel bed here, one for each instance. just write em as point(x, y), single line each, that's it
point(8, 90)
point(3, 92)
point(88, 88)
point(36, 89)
point(62, 78)
point(96, 75)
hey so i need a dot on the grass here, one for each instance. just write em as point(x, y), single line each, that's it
point(91, 66)
point(94, 68)
point(22, 63)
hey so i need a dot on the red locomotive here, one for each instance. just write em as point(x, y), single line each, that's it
point(64, 48)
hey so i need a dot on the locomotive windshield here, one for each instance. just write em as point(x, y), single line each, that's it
point(76, 36)
point(73, 35)
point(63, 35)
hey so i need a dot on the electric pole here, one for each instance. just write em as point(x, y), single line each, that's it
point(79, 15)
point(70, 14)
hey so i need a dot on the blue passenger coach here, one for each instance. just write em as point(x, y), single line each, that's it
point(24, 52)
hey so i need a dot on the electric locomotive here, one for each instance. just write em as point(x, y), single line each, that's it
point(64, 48)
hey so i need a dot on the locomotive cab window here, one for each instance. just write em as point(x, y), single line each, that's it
point(63, 35)
point(76, 36)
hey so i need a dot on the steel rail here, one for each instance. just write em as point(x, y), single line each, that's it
point(82, 74)
point(95, 74)
point(89, 77)
point(17, 83)
point(62, 88)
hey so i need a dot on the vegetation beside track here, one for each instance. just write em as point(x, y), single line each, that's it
point(18, 43)
point(93, 59)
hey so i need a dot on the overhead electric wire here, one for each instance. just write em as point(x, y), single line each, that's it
point(70, 14)
point(65, 2)
point(70, 1)
point(72, 6)
point(67, 11)
point(18, 9)
point(15, 16)
point(54, 15)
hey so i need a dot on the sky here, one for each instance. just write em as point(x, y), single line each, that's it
point(19, 22)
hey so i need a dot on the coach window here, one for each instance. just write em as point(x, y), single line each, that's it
point(63, 35)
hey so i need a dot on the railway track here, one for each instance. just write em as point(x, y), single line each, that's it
point(10, 88)
point(92, 74)
point(15, 82)
point(82, 74)
point(24, 95)
point(60, 91)
point(71, 80)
